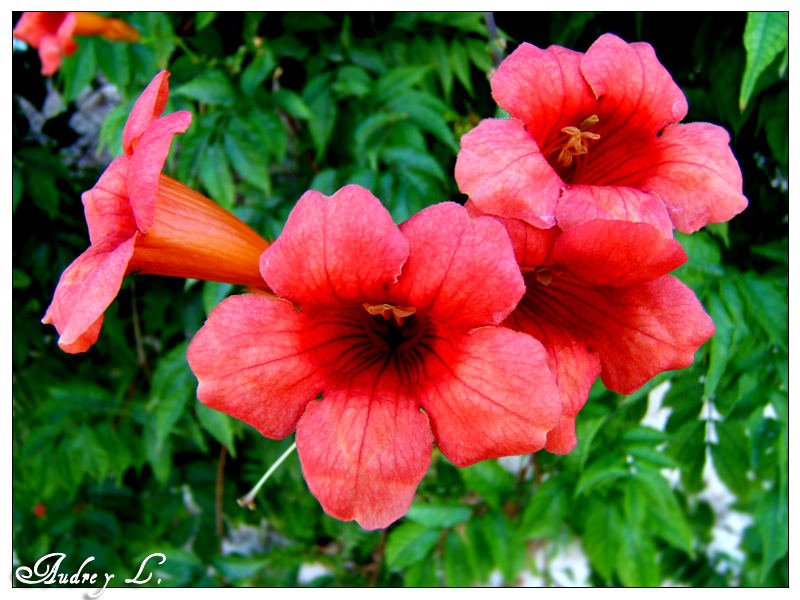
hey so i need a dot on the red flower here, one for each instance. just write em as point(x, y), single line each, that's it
point(383, 322)
point(51, 33)
point(141, 221)
point(594, 136)
point(599, 298)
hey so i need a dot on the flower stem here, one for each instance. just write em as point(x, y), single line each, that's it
point(248, 500)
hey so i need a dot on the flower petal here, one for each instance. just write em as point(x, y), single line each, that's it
point(254, 360)
point(638, 331)
point(616, 253)
point(636, 92)
point(531, 244)
point(50, 54)
point(147, 108)
point(106, 205)
point(334, 250)
point(86, 288)
point(544, 89)
point(581, 203)
point(696, 175)
point(501, 168)
point(575, 366)
point(364, 451)
point(460, 271)
point(147, 162)
point(498, 397)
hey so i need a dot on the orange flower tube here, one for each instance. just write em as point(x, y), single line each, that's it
point(141, 221)
point(116, 30)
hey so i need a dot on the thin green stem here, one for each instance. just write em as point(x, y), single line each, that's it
point(248, 500)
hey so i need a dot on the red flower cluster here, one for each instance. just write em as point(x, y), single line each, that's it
point(590, 175)
point(51, 33)
point(480, 328)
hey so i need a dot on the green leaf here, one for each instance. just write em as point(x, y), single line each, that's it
point(460, 62)
point(637, 564)
point(235, 567)
point(292, 103)
point(218, 424)
point(650, 455)
point(721, 347)
point(246, 158)
point(421, 574)
point(769, 304)
point(772, 512)
point(457, 570)
point(324, 111)
point(442, 61)
point(411, 158)
point(325, 181)
point(216, 176)
point(776, 251)
point(478, 552)
point(731, 456)
point(111, 130)
point(114, 61)
point(688, 448)
point(203, 19)
point(774, 113)
point(352, 81)
point(607, 467)
point(665, 517)
point(172, 385)
point(409, 543)
point(398, 80)
point(79, 70)
point(214, 292)
point(490, 480)
point(634, 503)
point(370, 134)
point(87, 454)
point(545, 513)
point(438, 515)
point(258, 70)
point(19, 279)
point(479, 54)
point(766, 35)
point(210, 87)
point(507, 549)
point(426, 111)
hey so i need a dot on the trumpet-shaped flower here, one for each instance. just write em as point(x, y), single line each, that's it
point(52, 33)
point(596, 136)
point(397, 330)
point(141, 221)
point(599, 298)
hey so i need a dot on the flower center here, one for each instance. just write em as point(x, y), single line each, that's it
point(393, 328)
point(575, 144)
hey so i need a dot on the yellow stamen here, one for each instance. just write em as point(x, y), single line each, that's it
point(576, 144)
point(389, 310)
point(544, 276)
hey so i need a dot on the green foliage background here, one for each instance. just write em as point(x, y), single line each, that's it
point(115, 450)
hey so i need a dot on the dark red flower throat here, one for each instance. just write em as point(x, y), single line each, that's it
point(394, 329)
